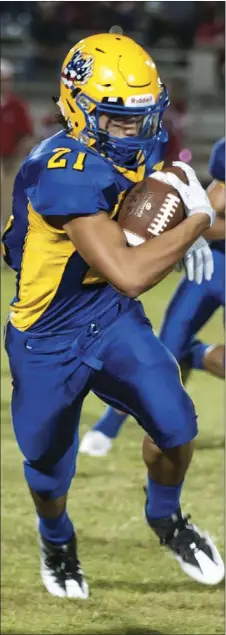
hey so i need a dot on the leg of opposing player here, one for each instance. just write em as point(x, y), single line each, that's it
point(214, 360)
point(202, 356)
point(190, 308)
point(98, 441)
point(143, 379)
point(212, 357)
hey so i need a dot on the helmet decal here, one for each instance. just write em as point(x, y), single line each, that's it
point(79, 69)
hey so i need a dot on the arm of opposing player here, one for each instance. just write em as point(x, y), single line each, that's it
point(216, 194)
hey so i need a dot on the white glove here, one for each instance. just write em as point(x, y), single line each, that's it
point(198, 261)
point(193, 195)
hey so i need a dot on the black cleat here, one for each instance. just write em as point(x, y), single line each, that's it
point(196, 552)
point(60, 569)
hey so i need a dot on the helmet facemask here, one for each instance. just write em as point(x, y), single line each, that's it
point(128, 151)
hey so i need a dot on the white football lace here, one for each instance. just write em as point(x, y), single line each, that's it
point(166, 212)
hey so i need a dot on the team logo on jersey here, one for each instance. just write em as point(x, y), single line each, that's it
point(79, 69)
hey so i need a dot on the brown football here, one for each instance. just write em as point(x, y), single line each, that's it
point(151, 208)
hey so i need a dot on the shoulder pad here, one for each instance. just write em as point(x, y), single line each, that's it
point(72, 183)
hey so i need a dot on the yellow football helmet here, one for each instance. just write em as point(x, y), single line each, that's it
point(111, 74)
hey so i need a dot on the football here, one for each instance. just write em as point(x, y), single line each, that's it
point(151, 208)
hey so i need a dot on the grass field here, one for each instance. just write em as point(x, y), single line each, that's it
point(136, 587)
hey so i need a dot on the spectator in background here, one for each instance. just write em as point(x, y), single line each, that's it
point(47, 127)
point(125, 15)
point(177, 20)
point(211, 27)
point(176, 120)
point(49, 33)
point(220, 68)
point(16, 136)
point(98, 16)
point(211, 33)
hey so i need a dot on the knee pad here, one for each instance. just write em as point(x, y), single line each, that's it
point(170, 417)
point(52, 480)
point(182, 422)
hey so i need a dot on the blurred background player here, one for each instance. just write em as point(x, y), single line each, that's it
point(49, 35)
point(192, 305)
point(190, 308)
point(16, 136)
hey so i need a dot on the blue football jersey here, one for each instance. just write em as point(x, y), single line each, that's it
point(217, 171)
point(56, 289)
point(217, 161)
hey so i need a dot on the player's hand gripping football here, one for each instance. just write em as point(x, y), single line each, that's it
point(198, 260)
point(193, 195)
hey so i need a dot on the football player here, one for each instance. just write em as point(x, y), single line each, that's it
point(190, 308)
point(75, 324)
point(192, 305)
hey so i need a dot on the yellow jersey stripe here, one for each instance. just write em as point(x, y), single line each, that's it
point(45, 256)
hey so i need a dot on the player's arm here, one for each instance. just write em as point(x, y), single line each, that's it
point(71, 199)
point(216, 194)
point(216, 190)
point(101, 242)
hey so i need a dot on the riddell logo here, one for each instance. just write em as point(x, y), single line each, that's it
point(140, 100)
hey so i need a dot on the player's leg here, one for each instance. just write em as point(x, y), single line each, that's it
point(181, 320)
point(98, 441)
point(212, 357)
point(207, 357)
point(200, 355)
point(190, 308)
point(45, 413)
point(214, 360)
point(141, 377)
point(61, 571)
